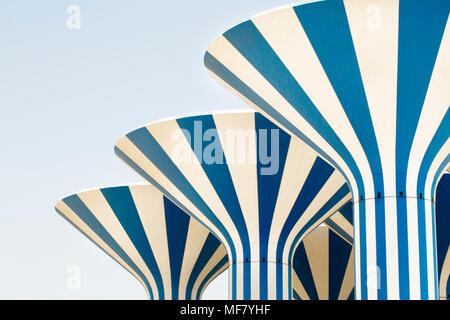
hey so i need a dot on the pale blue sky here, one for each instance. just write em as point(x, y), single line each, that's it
point(66, 96)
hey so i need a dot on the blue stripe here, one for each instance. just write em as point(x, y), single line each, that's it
point(329, 33)
point(326, 26)
point(141, 172)
point(403, 260)
point(436, 144)
point(122, 204)
point(303, 269)
point(246, 38)
point(433, 227)
point(439, 139)
point(362, 249)
point(80, 209)
point(209, 248)
point(268, 189)
point(138, 169)
point(422, 238)
point(341, 193)
point(147, 144)
point(177, 226)
point(337, 229)
point(339, 254)
point(421, 26)
point(220, 178)
point(252, 45)
point(440, 170)
point(317, 177)
point(221, 71)
point(380, 226)
point(351, 296)
point(347, 212)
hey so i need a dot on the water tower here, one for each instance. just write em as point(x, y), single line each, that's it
point(171, 254)
point(252, 184)
point(366, 84)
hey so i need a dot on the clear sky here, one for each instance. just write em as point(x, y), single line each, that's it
point(66, 96)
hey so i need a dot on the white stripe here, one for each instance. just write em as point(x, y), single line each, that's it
point(435, 107)
point(224, 51)
point(284, 33)
point(371, 250)
point(430, 240)
point(299, 161)
point(243, 173)
point(131, 151)
point(413, 248)
point(195, 240)
point(376, 47)
point(357, 248)
point(285, 270)
point(194, 173)
point(149, 204)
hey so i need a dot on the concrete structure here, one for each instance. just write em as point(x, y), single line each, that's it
point(171, 254)
point(323, 267)
point(253, 185)
point(366, 84)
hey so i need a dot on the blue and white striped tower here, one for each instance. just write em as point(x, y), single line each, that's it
point(259, 190)
point(366, 84)
point(443, 235)
point(323, 267)
point(171, 254)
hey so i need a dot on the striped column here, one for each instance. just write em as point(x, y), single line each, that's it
point(365, 84)
point(259, 190)
point(443, 235)
point(171, 254)
point(323, 267)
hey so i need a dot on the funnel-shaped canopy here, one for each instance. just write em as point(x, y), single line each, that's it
point(443, 235)
point(323, 267)
point(259, 190)
point(171, 254)
point(366, 84)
